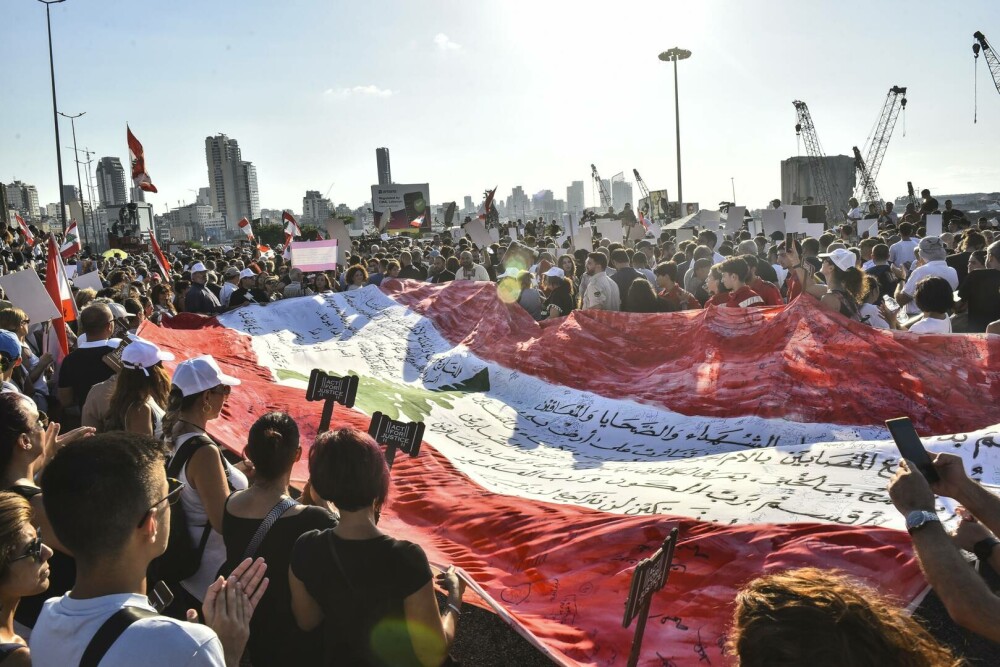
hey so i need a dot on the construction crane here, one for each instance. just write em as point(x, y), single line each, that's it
point(644, 191)
point(868, 168)
point(605, 196)
point(866, 189)
point(822, 182)
point(911, 196)
point(989, 54)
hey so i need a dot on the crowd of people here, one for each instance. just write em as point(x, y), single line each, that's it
point(128, 533)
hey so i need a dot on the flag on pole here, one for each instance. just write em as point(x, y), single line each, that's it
point(246, 228)
point(58, 288)
point(71, 245)
point(161, 261)
point(418, 221)
point(140, 178)
point(291, 229)
point(29, 238)
point(265, 250)
point(485, 211)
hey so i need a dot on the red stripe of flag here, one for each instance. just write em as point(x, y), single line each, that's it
point(161, 261)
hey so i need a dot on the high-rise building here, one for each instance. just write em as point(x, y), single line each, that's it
point(467, 208)
point(621, 194)
point(23, 198)
point(232, 181)
point(204, 197)
point(316, 208)
point(138, 194)
point(111, 189)
point(574, 198)
point(384, 172)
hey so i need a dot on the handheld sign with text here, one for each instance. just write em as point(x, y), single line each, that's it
point(405, 436)
point(113, 359)
point(649, 576)
point(331, 389)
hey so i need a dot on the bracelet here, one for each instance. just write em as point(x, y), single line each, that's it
point(451, 607)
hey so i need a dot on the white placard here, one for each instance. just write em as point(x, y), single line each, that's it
point(735, 220)
point(494, 234)
point(610, 229)
point(456, 233)
point(685, 234)
point(813, 229)
point(512, 232)
point(773, 221)
point(314, 255)
point(869, 227)
point(91, 280)
point(584, 238)
point(25, 290)
point(934, 224)
point(70, 271)
point(636, 232)
point(476, 230)
point(338, 231)
point(792, 212)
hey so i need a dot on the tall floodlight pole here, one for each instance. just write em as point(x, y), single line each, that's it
point(55, 117)
point(79, 181)
point(673, 55)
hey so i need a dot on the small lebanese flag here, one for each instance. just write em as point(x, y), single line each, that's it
point(58, 288)
point(161, 261)
point(287, 254)
point(29, 238)
point(265, 250)
point(418, 221)
point(485, 211)
point(140, 178)
point(247, 229)
point(72, 244)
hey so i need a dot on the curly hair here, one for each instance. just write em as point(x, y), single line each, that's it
point(825, 619)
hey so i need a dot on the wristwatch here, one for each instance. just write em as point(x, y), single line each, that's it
point(984, 547)
point(918, 519)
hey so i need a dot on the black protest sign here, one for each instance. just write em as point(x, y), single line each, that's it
point(405, 436)
point(331, 389)
point(649, 576)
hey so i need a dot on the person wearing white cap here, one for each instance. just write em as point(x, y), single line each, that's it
point(932, 262)
point(242, 295)
point(558, 291)
point(232, 281)
point(844, 282)
point(141, 390)
point(200, 299)
point(197, 396)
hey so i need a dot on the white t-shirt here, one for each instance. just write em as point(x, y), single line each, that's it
point(932, 325)
point(478, 272)
point(901, 252)
point(66, 626)
point(936, 268)
point(227, 291)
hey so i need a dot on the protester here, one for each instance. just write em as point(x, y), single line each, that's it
point(471, 270)
point(198, 392)
point(356, 277)
point(601, 293)
point(31, 375)
point(199, 298)
point(642, 298)
point(844, 282)
point(979, 294)
point(141, 391)
point(719, 293)
point(932, 263)
point(109, 501)
point(823, 619)
point(84, 367)
point(558, 292)
point(359, 583)
point(265, 521)
point(294, 287)
point(673, 297)
point(243, 293)
point(935, 300)
point(735, 274)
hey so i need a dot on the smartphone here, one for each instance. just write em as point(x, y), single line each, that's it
point(891, 303)
point(161, 597)
point(910, 446)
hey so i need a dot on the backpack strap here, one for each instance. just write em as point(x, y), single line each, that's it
point(109, 632)
point(272, 517)
point(188, 449)
point(6, 650)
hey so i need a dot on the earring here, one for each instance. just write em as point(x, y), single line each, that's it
point(206, 408)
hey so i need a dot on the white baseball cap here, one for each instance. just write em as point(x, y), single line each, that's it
point(198, 267)
point(842, 258)
point(141, 354)
point(118, 311)
point(194, 376)
point(555, 272)
point(247, 273)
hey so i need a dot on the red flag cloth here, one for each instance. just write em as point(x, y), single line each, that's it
point(161, 261)
point(71, 245)
point(418, 221)
point(265, 250)
point(246, 228)
point(488, 203)
point(560, 571)
point(140, 177)
point(291, 226)
point(29, 238)
point(62, 296)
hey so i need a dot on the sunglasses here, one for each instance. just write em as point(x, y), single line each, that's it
point(175, 487)
point(33, 550)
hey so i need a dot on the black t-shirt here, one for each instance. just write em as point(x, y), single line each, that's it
point(275, 639)
point(82, 369)
point(959, 262)
point(241, 296)
point(981, 291)
point(410, 272)
point(445, 276)
point(929, 205)
point(623, 278)
point(765, 271)
point(885, 277)
point(360, 585)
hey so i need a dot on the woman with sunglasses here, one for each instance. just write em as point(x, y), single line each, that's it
point(24, 571)
point(27, 442)
point(197, 396)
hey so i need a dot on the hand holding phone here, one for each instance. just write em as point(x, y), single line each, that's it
point(911, 448)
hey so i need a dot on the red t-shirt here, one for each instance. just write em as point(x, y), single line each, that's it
point(767, 291)
point(744, 297)
point(719, 299)
point(676, 296)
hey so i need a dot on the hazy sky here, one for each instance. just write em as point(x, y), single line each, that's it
point(469, 94)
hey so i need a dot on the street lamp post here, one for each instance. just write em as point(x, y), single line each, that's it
point(674, 55)
point(55, 118)
point(79, 181)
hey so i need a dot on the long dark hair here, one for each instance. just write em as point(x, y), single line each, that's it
point(132, 387)
point(177, 402)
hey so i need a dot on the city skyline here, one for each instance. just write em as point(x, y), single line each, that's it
point(547, 109)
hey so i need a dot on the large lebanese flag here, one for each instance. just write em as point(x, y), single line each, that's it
point(59, 290)
point(71, 245)
point(137, 156)
point(559, 454)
